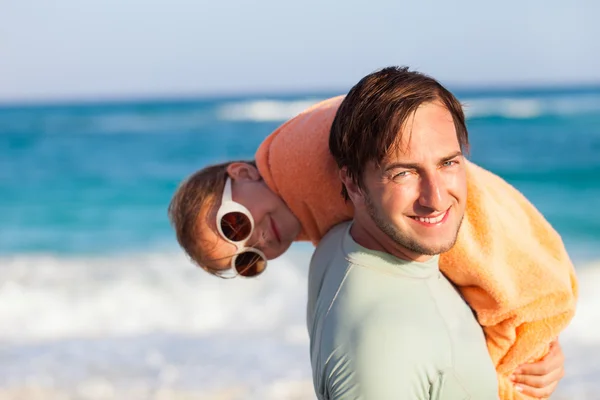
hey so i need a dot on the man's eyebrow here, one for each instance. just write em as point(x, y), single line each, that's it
point(415, 165)
point(401, 165)
point(450, 157)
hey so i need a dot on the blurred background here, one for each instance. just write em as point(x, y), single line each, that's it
point(105, 106)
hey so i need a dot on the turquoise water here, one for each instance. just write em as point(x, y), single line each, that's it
point(97, 178)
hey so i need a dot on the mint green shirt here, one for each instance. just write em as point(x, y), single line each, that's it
point(384, 328)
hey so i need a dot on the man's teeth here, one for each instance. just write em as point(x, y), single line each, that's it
point(435, 220)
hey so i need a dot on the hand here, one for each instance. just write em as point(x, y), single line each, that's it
point(539, 379)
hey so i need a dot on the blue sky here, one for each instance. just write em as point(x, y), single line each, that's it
point(68, 49)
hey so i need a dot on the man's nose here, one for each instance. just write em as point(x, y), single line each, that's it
point(433, 192)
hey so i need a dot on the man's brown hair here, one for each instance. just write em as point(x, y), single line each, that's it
point(368, 123)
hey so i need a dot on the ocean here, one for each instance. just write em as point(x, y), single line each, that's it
point(98, 302)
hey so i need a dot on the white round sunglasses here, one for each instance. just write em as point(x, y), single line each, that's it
point(235, 225)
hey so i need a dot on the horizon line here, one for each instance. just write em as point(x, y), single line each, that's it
point(237, 95)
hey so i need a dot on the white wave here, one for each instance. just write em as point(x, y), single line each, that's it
point(151, 324)
point(50, 297)
point(47, 297)
point(264, 110)
point(581, 340)
point(585, 327)
point(531, 107)
point(482, 107)
point(476, 107)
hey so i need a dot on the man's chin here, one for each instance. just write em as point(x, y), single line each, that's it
point(433, 250)
point(434, 244)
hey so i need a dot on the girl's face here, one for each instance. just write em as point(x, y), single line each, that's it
point(275, 226)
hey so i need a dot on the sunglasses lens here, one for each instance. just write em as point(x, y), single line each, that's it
point(250, 264)
point(236, 226)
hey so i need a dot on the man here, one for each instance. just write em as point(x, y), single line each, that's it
point(384, 323)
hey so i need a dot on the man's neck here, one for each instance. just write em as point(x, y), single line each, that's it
point(369, 236)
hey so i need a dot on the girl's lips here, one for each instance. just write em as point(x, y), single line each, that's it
point(275, 231)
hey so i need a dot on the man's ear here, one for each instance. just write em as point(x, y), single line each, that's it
point(354, 191)
point(241, 171)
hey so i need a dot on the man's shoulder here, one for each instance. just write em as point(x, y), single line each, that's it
point(329, 250)
point(333, 237)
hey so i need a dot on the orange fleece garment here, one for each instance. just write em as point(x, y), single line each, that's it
point(509, 264)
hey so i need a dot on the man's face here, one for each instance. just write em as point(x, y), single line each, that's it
point(418, 195)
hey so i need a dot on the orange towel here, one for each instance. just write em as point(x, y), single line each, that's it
point(509, 264)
